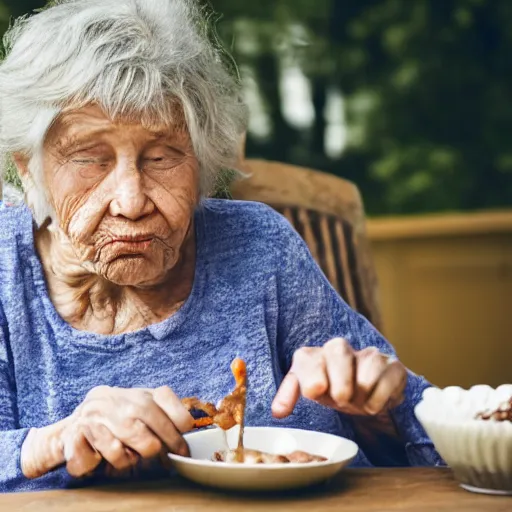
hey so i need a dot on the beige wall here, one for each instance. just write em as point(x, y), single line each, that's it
point(446, 294)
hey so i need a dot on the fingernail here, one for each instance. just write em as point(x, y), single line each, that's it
point(132, 456)
point(275, 411)
point(279, 411)
point(183, 450)
point(277, 405)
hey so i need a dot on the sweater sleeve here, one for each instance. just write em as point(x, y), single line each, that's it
point(311, 313)
point(12, 437)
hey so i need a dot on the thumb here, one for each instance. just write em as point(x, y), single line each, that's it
point(286, 397)
point(43, 449)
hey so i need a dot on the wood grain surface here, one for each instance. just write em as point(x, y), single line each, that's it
point(369, 490)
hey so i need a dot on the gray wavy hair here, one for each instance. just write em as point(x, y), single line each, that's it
point(134, 58)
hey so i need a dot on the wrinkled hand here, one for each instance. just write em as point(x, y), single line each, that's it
point(364, 382)
point(117, 425)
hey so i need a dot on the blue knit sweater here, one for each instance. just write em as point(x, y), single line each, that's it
point(257, 294)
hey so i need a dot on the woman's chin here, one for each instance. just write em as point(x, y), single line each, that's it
point(134, 270)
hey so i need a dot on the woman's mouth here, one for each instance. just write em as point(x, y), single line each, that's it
point(132, 245)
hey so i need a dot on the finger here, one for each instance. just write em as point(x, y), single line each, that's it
point(309, 367)
point(33, 464)
point(167, 400)
point(370, 364)
point(398, 397)
point(144, 425)
point(395, 402)
point(286, 397)
point(164, 460)
point(349, 408)
point(174, 421)
point(110, 448)
point(140, 439)
point(340, 363)
point(81, 458)
point(389, 387)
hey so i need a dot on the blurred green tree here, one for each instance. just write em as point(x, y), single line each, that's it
point(426, 88)
point(4, 16)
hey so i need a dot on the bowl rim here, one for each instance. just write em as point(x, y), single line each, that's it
point(431, 390)
point(475, 423)
point(270, 467)
point(429, 394)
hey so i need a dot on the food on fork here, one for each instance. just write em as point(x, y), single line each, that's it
point(231, 409)
point(214, 416)
point(502, 413)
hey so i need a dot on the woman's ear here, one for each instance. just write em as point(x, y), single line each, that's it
point(21, 162)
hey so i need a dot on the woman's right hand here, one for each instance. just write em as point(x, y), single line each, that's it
point(117, 425)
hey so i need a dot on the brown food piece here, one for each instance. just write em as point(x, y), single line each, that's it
point(233, 405)
point(231, 409)
point(502, 413)
point(303, 457)
point(221, 417)
point(247, 456)
point(219, 457)
point(194, 403)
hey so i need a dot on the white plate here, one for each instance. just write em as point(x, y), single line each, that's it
point(262, 477)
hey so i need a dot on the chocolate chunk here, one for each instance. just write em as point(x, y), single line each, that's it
point(502, 413)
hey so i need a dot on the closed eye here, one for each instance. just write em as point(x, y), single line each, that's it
point(90, 161)
point(164, 161)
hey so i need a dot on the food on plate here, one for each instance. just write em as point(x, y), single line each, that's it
point(502, 413)
point(247, 456)
point(300, 457)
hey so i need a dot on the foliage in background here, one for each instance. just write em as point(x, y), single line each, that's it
point(427, 89)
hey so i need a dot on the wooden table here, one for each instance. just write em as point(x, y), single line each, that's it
point(382, 490)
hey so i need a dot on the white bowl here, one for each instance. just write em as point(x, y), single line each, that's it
point(263, 477)
point(479, 452)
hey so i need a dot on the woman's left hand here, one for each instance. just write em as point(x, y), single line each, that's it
point(364, 382)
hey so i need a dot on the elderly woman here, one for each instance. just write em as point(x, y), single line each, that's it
point(124, 289)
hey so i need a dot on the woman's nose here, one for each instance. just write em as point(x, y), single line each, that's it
point(130, 199)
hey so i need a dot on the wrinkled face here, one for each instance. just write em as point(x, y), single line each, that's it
point(124, 195)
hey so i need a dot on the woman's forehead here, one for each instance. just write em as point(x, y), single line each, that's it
point(88, 120)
